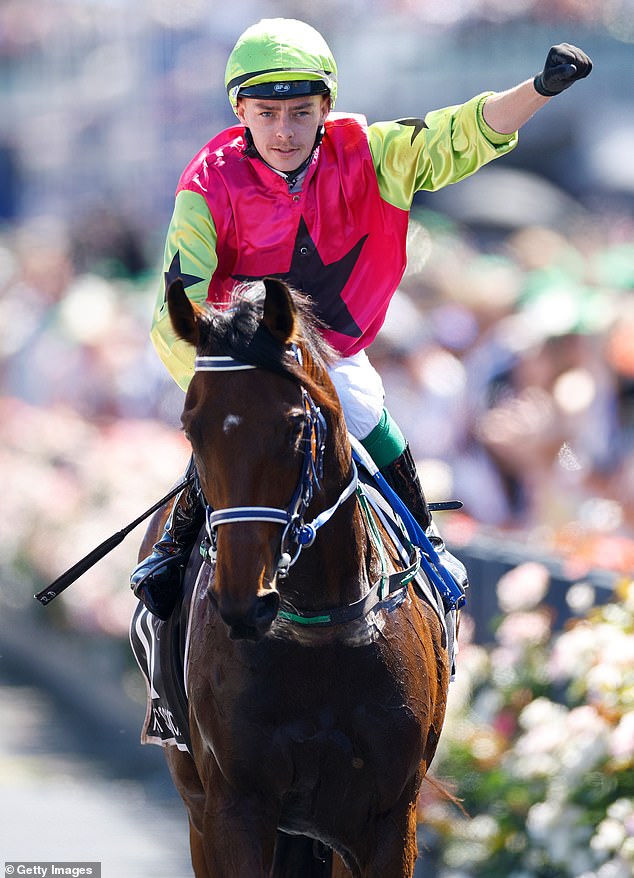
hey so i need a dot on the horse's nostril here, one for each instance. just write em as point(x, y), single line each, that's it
point(267, 606)
point(254, 623)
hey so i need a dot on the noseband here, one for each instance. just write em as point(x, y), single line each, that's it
point(297, 533)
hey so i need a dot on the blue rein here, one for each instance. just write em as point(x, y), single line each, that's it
point(435, 570)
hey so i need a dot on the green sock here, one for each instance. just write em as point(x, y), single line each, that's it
point(385, 442)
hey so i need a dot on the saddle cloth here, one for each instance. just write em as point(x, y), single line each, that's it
point(161, 648)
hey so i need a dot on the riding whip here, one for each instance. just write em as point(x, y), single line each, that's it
point(78, 569)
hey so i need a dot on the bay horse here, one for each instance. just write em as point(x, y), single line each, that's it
point(315, 709)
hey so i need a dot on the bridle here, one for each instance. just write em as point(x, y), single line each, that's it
point(297, 533)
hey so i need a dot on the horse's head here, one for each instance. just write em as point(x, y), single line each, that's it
point(251, 414)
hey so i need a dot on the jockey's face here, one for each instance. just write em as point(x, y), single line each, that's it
point(284, 131)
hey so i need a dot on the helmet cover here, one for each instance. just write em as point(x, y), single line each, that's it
point(276, 51)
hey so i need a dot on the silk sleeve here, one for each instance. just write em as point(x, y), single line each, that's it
point(190, 253)
point(446, 146)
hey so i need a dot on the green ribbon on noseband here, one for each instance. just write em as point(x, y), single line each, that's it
point(304, 620)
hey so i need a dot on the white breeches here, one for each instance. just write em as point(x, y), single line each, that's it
point(361, 393)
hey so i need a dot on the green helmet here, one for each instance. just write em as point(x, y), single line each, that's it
point(278, 59)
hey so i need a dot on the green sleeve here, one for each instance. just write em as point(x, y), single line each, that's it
point(448, 145)
point(190, 251)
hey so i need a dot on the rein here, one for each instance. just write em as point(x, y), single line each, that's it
point(297, 533)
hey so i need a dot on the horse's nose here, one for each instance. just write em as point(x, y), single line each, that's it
point(253, 624)
point(266, 607)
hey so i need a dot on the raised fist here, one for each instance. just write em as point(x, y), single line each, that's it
point(564, 65)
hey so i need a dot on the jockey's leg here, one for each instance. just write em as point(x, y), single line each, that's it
point(158, 579)
point(361, 393)
point(383, 443)
point(402, 476)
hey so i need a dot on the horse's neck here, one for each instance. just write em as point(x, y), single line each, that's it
point(333, 572)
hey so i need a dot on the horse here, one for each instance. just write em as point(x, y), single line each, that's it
point(316, 698)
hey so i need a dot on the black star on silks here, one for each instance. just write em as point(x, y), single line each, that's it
point(416, 124)
point(174, 272)
point(323, 283)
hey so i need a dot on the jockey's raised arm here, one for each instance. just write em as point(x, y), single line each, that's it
point(509, 110)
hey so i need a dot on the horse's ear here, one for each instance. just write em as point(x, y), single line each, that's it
point(182, 312)
point(279, 310)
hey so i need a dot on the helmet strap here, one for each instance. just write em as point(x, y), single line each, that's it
point(250, 150)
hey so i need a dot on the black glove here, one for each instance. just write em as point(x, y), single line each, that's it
point(564, 65)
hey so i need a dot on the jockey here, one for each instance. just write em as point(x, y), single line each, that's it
point(321, 200)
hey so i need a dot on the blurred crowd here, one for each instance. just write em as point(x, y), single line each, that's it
point(24, 22)
point(511, 370)
point(507, 355)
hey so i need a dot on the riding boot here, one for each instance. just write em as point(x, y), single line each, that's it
point(158, 579)
point(402, 477)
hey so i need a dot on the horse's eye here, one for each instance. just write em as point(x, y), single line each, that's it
point(186, 432)
point(296, 428)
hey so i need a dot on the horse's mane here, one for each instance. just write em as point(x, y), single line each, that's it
point(238, 332)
